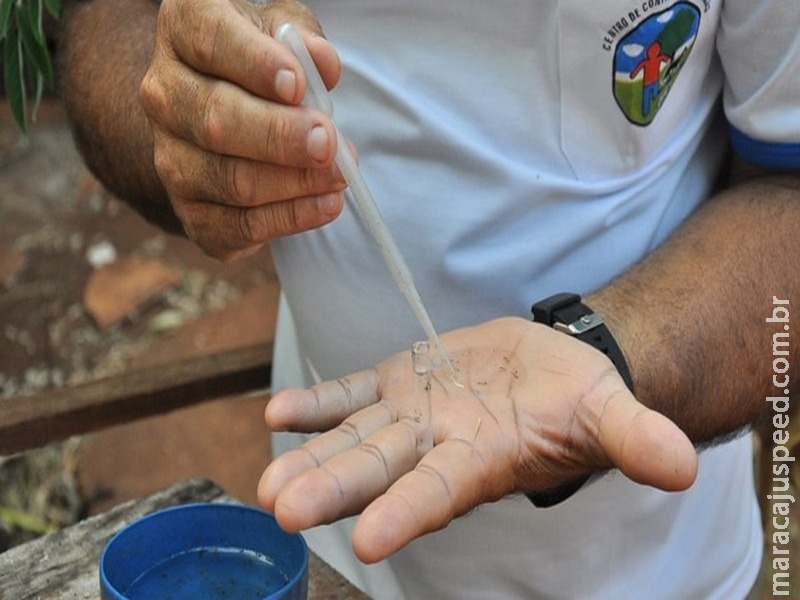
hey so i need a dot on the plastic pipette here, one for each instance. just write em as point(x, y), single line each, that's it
point(317, 97)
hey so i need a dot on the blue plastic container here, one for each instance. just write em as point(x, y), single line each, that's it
point(205, 552)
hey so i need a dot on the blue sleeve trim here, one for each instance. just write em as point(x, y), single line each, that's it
point(765, 154)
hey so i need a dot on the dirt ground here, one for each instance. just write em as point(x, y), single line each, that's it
point(58, 230)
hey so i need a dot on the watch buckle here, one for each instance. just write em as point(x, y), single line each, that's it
point(581, 325)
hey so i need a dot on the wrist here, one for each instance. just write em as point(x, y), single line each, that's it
point(571, 315)
point(621, 325)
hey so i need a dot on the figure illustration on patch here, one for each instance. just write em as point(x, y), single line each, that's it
point(649, 59)
point(650, 65)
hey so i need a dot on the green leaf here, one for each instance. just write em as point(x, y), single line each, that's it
point(32, 11)
point(14, 77)
point(53, 7)
point(26, 54)
point(38, 93)
point(6, 6)
point(35, 48)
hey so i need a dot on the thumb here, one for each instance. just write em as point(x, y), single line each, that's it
point(645, 445)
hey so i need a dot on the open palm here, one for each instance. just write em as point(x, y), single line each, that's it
point(529, 408)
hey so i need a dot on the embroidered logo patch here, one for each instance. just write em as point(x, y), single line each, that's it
point(648, 60)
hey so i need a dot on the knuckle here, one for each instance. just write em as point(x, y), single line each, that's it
point(152, 96)
point(261, 224)
point(286, 218)
point(246, 225)
point(278, 138)
point(171, 170)
point(165, 166)
point(190, 228)
point(212, 129)
point(289, 217)
point(308, 180)
point(304, 183)
point(240, 183)
point(207, 40)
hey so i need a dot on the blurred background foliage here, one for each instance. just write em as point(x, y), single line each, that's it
point(27, 64)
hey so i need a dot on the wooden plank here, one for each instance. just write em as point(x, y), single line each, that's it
point(63, 565)
point(31, 421)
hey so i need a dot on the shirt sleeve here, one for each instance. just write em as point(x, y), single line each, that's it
point(759, 47)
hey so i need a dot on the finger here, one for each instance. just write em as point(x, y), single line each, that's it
point(281, 471)
point(325, 58)
point(324, 405)
point(322, 52)
point(221, 118)
point(229, 232)
point(316, 451)
point(228, 41)
point(189, 172)
point(645, 445)
point(443, 486)
point(344, 484)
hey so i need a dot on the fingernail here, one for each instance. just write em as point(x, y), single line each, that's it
point(285, 85)
point(318, 144)
point(329, 204)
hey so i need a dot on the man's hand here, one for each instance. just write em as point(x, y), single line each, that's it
point(241, 161)
point(530, 409)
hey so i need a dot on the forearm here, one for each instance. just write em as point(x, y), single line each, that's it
point(691, 317)
point(104, 50)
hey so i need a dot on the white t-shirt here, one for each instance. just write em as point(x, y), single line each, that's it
point(518, 149)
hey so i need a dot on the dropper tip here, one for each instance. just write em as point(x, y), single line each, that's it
point(451, 370)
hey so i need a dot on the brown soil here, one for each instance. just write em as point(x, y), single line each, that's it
point(67, 317)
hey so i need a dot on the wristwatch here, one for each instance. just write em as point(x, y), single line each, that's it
point(566, 313)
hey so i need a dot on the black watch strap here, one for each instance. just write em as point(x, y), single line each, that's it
point(566, 313)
